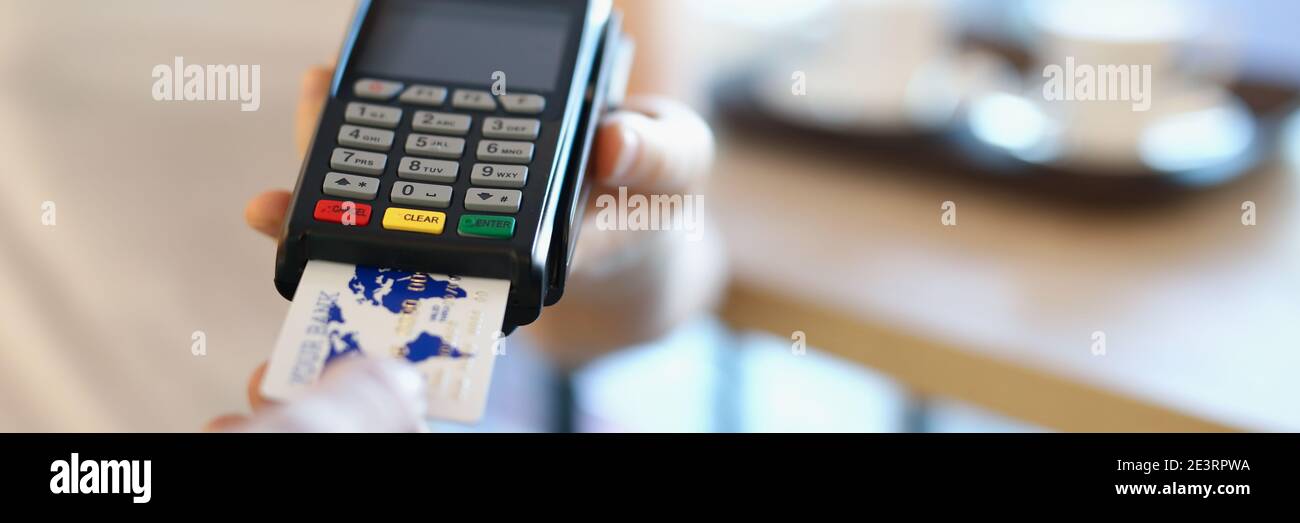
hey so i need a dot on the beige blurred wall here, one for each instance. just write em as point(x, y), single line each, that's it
point(97, 312)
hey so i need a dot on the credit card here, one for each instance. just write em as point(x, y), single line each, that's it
point(449, 327)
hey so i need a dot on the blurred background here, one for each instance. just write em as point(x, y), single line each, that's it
point(895, 192)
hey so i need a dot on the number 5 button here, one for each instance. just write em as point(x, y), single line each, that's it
point(437, 146)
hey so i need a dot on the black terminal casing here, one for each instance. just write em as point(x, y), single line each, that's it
point(536, 260)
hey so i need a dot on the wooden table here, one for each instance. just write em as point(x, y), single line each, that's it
point(1201, 314)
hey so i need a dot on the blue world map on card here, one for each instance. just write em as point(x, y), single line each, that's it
point(390, 289)
point(369, 282)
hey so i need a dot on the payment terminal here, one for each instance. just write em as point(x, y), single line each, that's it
point(455, 141)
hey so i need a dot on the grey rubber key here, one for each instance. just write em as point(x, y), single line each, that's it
point(441, 123)
point(508, 152)
point(476, 100)
point(365, 138)
point(511, 128)
point(492, 200)
point(424, 95)
point(374, 115)
point(523, 103)
point(436, 146)
point(427, 170)
point(422, 194)
point(375, 89)
point(351, 186)
point(358, 161)
point(498, 175)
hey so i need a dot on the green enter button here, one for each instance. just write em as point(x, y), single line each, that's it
point(480, 226)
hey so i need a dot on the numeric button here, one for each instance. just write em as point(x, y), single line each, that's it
point(435, 146)
point(422, 194)
point(373, 115)
point(511, 128)
point(508, 152)
point(365, 138)
point(497, 175)
point(358, 161)
point(426, 170)
point(441, 123)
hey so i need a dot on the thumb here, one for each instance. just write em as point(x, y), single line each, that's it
point(653, 145)
point(356, 395)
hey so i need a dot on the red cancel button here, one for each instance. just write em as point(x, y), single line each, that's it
point(333, 211)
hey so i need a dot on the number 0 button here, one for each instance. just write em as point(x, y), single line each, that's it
point(422, 194)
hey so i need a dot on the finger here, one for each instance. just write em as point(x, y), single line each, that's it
point(265, 212)
point(315, 90)
point(358, 395)
point(255, 398)
point(224, 423)
point(653, 145)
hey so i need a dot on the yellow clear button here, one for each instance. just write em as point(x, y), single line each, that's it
point(412, 220)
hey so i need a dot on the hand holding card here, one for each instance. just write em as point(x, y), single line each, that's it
point(447, 326)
